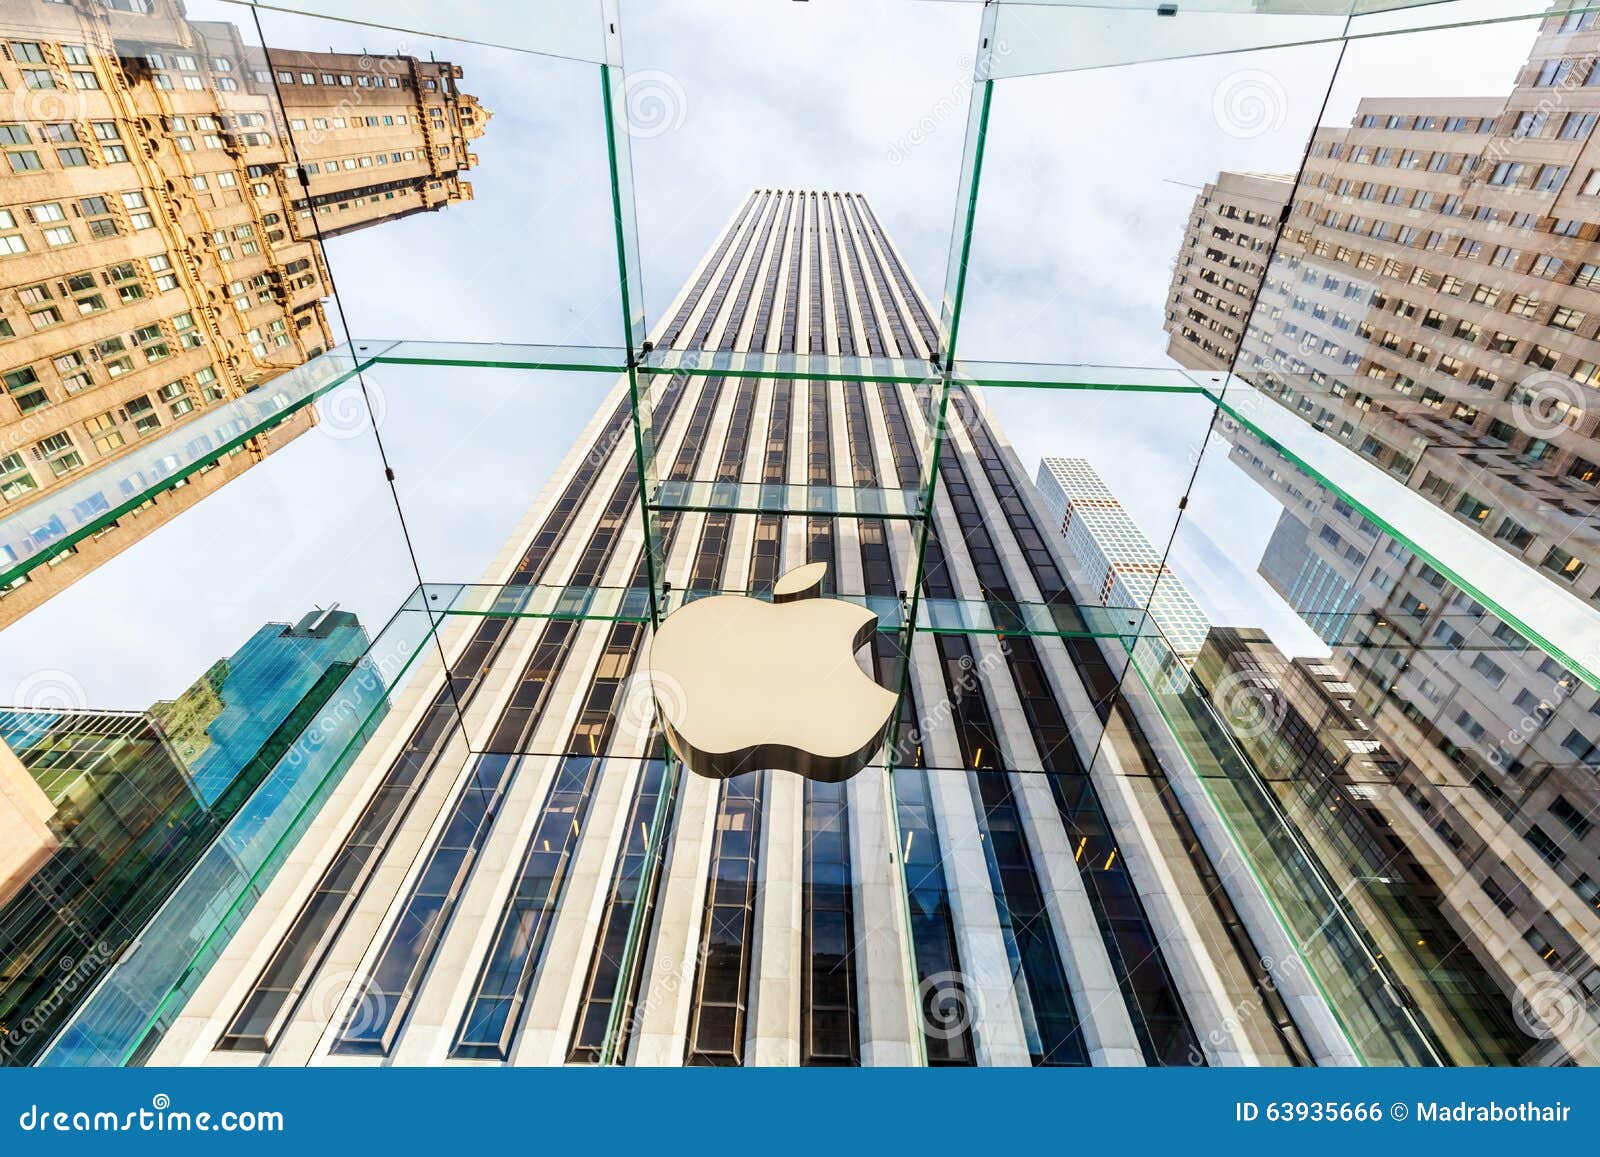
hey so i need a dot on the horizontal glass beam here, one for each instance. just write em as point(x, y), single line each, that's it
point(788, 366)
point(1040, 375)
point(570, 29)
point(532, 601)
point(499, 355)
point(1555, 620)
point(632, 605)
point(780, 498)
point(1036, 37)
point(65, 516)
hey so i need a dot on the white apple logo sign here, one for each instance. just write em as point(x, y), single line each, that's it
point(742, 684)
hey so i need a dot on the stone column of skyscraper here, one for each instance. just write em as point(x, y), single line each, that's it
point(1039, 869)
point(158, 254)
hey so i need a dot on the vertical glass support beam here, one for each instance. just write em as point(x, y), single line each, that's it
point(616, 1039)
point(641, 402)
point(955, 278)
point(614, 97)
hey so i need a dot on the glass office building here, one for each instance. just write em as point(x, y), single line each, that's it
point(131, 801)
point(1339, 812)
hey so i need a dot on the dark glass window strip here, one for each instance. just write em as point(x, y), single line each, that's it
point(702, 329)
point(864, 243)
point(792, 293)
point(730, 332)
point(845, 241)
point(505, 980)
point(722, 981)
point(933, 931)
point(675, 330)
point(767, 549)
point(629, 886)
point(923, 322)
point(769, 290)
point(829, 1028)
point(828, 1031)
point(841, 311)
point(1055, 1036)
point(377, 1015)
point(815, 337)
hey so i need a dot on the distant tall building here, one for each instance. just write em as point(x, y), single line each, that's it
point(1125, 569)
point(119, 816)
point(235, 714)
point(1434, 300)
point(158, 246)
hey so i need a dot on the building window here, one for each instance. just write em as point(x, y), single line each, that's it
point(1561, 564)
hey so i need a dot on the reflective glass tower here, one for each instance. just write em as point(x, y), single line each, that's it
point(108, 813)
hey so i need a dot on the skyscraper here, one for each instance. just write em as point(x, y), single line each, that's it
point(167, 186)
point(1041, 879)
point(1125, 570)
point(121, 811)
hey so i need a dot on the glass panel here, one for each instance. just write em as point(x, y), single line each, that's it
point(1424, 764)
point(257, 813)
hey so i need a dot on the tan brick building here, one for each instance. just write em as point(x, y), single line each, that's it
point(159, 249)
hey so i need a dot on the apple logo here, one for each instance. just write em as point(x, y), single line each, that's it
point(742, 684)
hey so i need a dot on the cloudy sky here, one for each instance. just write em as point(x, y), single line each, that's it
point(1087, 181)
